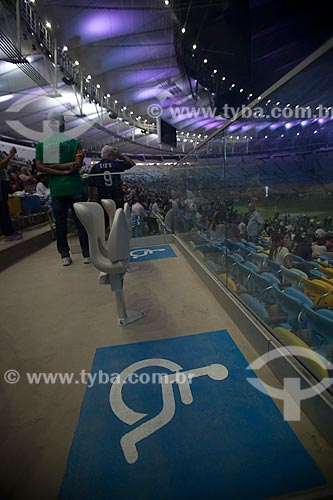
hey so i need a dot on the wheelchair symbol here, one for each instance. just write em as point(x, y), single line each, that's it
point(129, 440)
point(143, 252)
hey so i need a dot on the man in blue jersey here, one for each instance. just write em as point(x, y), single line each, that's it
point(105, 175)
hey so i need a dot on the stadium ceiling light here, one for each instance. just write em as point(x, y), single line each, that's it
point(108, 95)
point(194, 47)
point(166, 2)
point(223, 78)
point(241, 90)
point(115, 101)
point(277, 103)
point(233, 85)
point(48, 24)
point(98, 86)
point(77, 63)
point(215, 71)
point(64, 49)
point(205, 61)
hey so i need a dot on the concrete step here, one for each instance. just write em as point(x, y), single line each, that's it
point(34, 238)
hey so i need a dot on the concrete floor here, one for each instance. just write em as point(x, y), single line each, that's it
point(53, 319)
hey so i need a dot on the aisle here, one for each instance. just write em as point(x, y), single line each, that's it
point(57, 320)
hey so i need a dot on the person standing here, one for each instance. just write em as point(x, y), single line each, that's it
point(105, 175)
point(6, 225)
point(255, 225)
point(61, 157)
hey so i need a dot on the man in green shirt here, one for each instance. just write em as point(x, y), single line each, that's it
point(61, 157)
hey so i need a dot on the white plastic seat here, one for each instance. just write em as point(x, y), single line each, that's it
point(116, 262)
point(110, 208)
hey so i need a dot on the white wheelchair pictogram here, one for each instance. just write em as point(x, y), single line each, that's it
point(143, 252)
point(129, 440)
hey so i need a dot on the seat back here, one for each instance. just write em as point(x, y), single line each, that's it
point(272, 266)
point(110, 208)
point(292, 276)
point(259, 259)
point(291, 302)
point(315, 274)
point(213, 266)
point(263, 288)
point(91, 215)
point(231, 265)
point(244, 274)
point(118, 243)
point(328, 271)
point(257, 307)
point(315, 362)
point(252, 267)
point(320, 328)
point(315, 289)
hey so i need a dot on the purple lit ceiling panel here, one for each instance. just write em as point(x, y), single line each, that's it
point(104, 24)
point(147, 76)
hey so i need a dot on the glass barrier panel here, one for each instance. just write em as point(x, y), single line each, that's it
point(255, 205)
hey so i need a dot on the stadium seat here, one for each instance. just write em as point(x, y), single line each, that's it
point(320, 330)
point(319, 291)
point(255, 305)
point(259, 259)
point(292, 277)
point(273, 266)
point(312, 360)
point(213, 266)
point(291, 302)
point(228, 281)
point(328, 271)
point(262, 287)
point(115, 265)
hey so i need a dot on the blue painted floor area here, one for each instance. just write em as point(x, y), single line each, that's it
point(152, 253)
point(230, 443)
